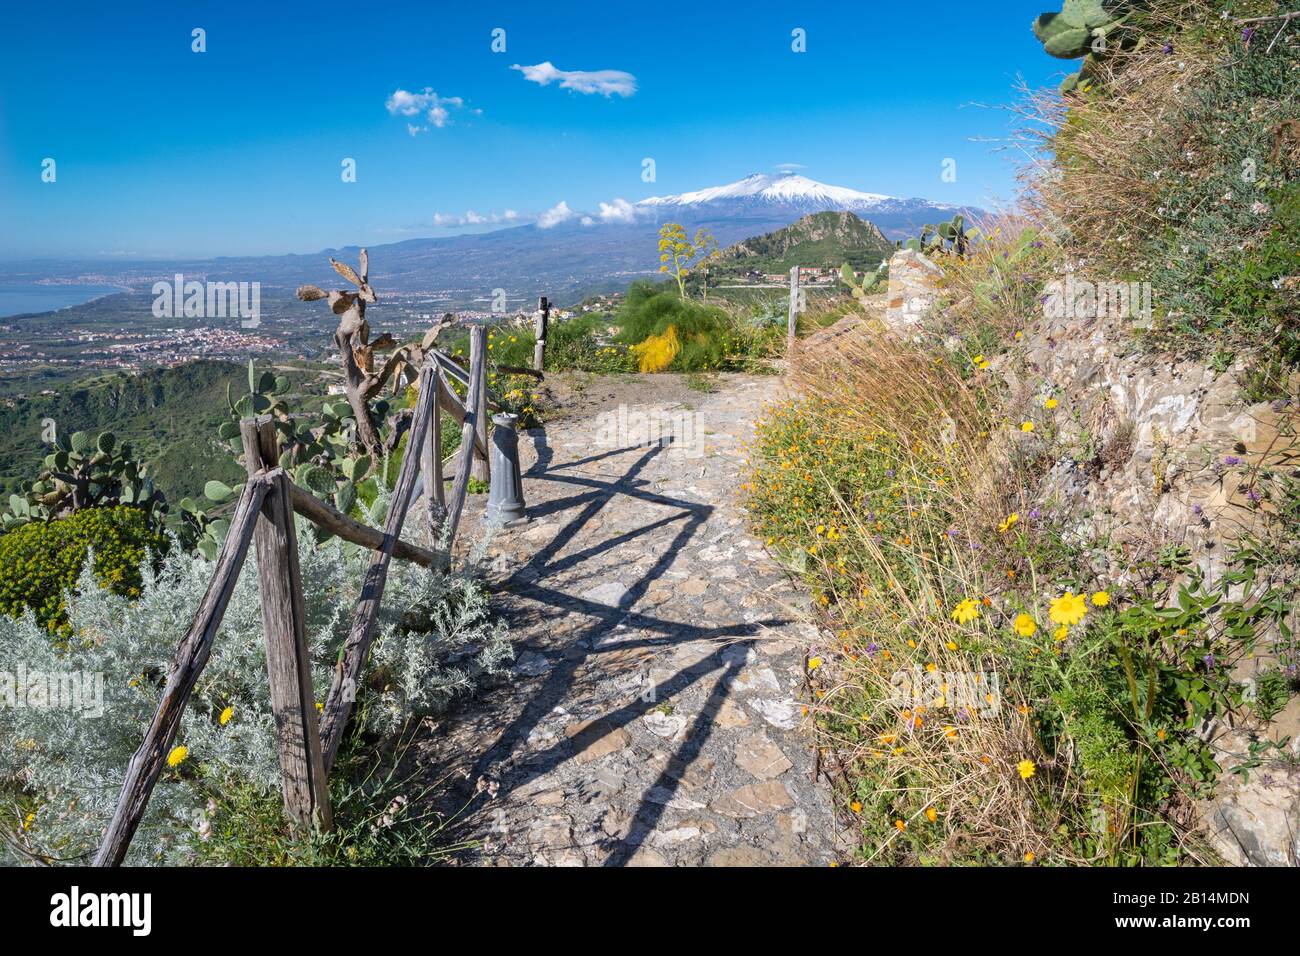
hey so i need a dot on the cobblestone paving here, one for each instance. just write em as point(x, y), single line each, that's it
point(654, 715)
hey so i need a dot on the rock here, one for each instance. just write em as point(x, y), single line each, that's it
point(764, 759)
point(644, 856)
point(674, 837)
point(729, 715)
point(694, 587)
point(754, 800)
point(1253, 822)
point(611, 593)
point(913, 289)
point(593, 739)
point(783, 714)
point(532, 664)
point(664, 725)
point(738, 856)
point(667, 797)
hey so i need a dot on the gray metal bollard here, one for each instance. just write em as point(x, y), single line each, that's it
point(505, 505)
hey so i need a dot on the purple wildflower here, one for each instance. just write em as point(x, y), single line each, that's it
point(1167, 48)
point(1247, 34)
point(1209, 660)
point(872, 648)
point(1254, 496)
point(1034, 514)
point(1231, 460)
point(1197, 510)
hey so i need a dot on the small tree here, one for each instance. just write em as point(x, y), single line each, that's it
point(678, 255)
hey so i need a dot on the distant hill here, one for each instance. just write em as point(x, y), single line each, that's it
point(169, 416)
point(827, 239)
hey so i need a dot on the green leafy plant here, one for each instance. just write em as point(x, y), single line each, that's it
point(43, 560)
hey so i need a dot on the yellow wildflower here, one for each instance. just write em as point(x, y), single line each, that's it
point(1100, 599)
point(225, 716)
point(177, 756)
point(966, 611)
point(1026, 769)
point(1025, 625)
point(1068, 609)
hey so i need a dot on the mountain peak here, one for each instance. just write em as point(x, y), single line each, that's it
point(765, 188)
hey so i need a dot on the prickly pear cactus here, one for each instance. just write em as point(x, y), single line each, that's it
point(84, 471)
point(1084, 28)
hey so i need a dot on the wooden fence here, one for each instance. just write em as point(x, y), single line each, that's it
point(264, 518)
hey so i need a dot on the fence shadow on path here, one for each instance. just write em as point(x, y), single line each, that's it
point(590, 495)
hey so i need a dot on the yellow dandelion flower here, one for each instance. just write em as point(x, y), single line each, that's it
point(932, 814)
point(814, 663)
point(856, 806)
point(1029, 857)
point(225, 716)
point(1026, 769)
point(1026, 426)
point(177, 756)
point(1100, 599)
point(1050, 404)
point(1009, 522)
point(1025, 625)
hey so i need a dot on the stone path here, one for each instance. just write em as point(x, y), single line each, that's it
point(655, 711)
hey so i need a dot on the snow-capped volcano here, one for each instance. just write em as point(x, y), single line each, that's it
point(762, 199)
point(777, 190)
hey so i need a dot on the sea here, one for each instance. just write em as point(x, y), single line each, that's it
point(17, 299)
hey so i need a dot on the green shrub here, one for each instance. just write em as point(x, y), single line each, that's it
point(710, 338)
point(436, 639)
point(1233, 219)
point(43, 560)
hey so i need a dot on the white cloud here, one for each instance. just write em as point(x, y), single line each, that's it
point(555, 215)
point(587, 221)
point(509, 215)
point(620, 210)
point(605, 82)
point(436, 109)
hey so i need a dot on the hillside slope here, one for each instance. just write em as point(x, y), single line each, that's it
point(819, 239)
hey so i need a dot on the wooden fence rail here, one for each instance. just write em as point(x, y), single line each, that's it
point(264, 518)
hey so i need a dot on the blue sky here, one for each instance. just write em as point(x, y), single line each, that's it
point(162, 151)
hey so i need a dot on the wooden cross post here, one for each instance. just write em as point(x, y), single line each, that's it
point(539, 350)
point(794, 305)
point(293, 700)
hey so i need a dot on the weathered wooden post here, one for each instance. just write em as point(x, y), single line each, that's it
point(431, 456)
point(288, 664)
point(475, 404)
point(482, 468)
point(539, 331)
point(794, 305)
point(343, 691)
point(191, 656)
